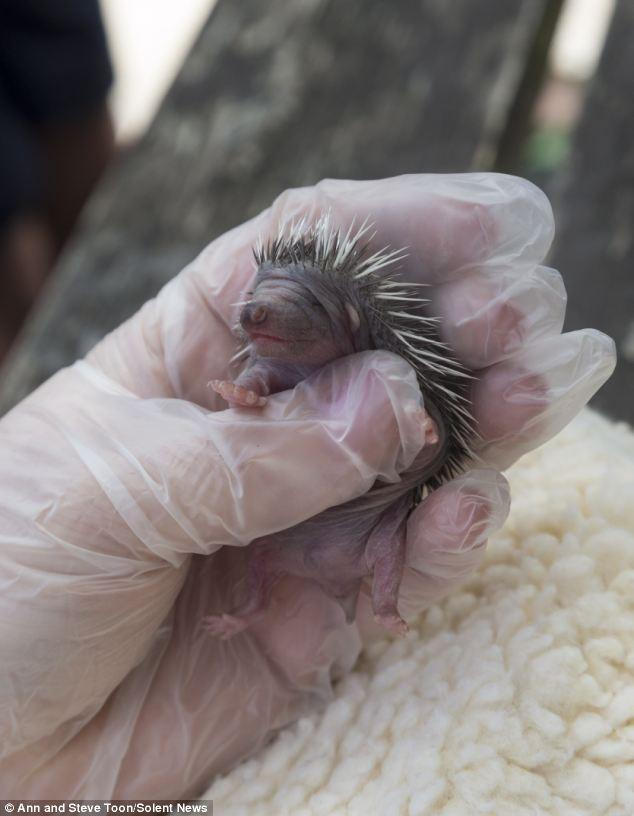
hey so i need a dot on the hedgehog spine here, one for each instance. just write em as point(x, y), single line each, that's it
point(390, 305)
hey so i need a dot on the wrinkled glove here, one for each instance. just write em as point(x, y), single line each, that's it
point(128, 492)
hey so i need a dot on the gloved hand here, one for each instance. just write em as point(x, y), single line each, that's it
point(128, 492)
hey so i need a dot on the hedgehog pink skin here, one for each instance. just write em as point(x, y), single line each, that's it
point(317, 297)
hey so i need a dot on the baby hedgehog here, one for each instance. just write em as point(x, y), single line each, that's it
point(319, 295)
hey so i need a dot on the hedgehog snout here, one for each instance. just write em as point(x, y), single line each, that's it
point(253, 314)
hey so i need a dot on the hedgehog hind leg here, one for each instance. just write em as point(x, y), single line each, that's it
point(385, 554)
point(263, 573)
point(388, 571)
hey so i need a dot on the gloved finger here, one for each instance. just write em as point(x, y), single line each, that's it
point(196, 705)
point(447, 533)
point(228, 697)
point(522, 402)
point(489, 317)
point(185, 480)
point(450, 224)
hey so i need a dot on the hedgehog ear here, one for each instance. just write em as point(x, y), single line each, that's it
point(353, 316)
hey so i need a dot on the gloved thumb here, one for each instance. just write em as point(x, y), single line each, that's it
point(185, 480)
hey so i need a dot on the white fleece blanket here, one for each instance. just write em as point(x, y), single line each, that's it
point(514, 696)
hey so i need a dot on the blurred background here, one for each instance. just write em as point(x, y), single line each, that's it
point(132, 133)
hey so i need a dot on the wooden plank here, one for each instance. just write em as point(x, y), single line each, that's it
point(274, 95)
point(594, 206)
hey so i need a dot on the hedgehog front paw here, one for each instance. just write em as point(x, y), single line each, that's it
point(237, 395)
point(224, 626)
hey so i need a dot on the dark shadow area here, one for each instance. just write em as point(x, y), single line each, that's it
point(576, 144)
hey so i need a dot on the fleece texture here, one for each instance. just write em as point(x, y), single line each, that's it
point(513, 696)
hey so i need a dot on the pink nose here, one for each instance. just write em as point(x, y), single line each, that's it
point(258, 315)
point(252, 315)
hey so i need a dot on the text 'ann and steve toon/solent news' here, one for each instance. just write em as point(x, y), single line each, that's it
point(104, 807)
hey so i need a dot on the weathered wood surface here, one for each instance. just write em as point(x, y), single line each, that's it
point(594, 207)
point(273, 95)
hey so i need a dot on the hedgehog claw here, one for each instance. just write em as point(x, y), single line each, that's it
point(223, 626)
point(393, 622)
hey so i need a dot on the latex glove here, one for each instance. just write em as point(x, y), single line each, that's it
point(126, 492)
